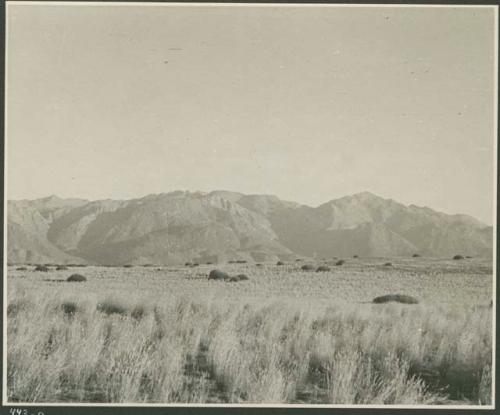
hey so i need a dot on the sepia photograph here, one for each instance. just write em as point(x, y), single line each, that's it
point(250, 205)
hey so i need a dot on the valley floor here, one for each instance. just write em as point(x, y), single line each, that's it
point(168, 334)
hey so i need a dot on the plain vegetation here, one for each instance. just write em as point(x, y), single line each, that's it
point(172, 335)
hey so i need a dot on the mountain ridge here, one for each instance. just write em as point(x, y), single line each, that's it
point(180, 226)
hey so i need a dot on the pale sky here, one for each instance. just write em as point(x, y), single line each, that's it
point(307, 103)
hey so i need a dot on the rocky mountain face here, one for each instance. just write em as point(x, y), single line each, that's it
point(219, 226)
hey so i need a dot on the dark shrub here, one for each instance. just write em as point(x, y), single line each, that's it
point(468, 256)
point(61, 268)
point(233, 279)
point(241, 261)
point(188, 264)
point(41, 268)
point(355, 256)
point(340, 262)
point(76, 278)
point(415, 255)
point(387, 264)
point(242, 277)
point(456, 257)
point(280, 263)
point(69, 308)
point(128, 266)
point(111, 307)
point(298, 260)
point(22, 269)
point(16, 307)
point(232, 262)
point(307, 267)
point(217, 275)
point(258, 265)
point(398, 298)
point(322, 268)
point(138, 312)
point(195, 264)
point(209, 263)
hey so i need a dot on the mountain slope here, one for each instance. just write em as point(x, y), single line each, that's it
point(219, 226)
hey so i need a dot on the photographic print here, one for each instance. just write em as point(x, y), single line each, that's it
point(250, 205)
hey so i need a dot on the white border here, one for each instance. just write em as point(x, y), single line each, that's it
point(98, 3)
point(495, 216)
point(194, 405)
point(4, 264)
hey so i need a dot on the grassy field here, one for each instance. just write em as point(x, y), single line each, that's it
point(168, 334)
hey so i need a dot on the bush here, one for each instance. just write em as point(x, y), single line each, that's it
point(323, 268)
point(280, 263)
point(76, 278)
point(21, 269)
point(241, 261)
point(216, 274)
point(128, 266)
point(258, 265)
point(355, 256)
point(69, 308)
point(61, 268)
point(457, 257)
point(307, 267)
point(195, 264)
point(188, 264)
point(111, 307)
point(42, 268)
point(17, 306)
point(298, 260)
point(387, 264)
point(237, 278)
point(340, 262)
point(415, 255)
point(398, 298)
point(138, 312)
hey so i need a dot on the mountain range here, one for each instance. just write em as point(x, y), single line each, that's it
point(176, 227)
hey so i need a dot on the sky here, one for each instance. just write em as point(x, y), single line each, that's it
point(306, 103)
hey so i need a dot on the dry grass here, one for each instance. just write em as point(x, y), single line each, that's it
point(103, 341)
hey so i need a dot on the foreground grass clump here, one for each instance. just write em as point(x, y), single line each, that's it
point(184, 350)
point(112, 306)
